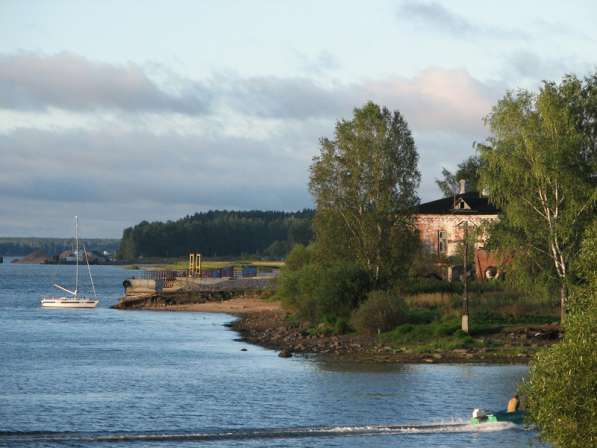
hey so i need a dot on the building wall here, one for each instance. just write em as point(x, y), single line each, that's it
point(430, 226)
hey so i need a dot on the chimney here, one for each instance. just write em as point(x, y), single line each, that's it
point(462, 183)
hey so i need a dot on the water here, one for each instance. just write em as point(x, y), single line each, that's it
point(141, 378)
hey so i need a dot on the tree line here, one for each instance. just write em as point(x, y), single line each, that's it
point(219, 233)
point(54, 246)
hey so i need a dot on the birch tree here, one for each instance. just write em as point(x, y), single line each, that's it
point(538, 167)
point(364, 184)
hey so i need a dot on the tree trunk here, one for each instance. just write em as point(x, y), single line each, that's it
point(562, 304)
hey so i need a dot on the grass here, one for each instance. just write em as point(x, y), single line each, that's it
point(427, 338)
point(427, 332)
point(491, 307)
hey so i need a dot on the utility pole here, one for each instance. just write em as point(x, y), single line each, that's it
point(465, 325)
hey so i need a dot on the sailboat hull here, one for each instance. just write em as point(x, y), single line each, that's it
point(73, 302)
point(63, 302)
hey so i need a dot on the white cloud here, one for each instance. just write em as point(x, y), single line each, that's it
point(68, 81)
point(252, 149)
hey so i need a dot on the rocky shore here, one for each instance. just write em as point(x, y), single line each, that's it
point(267, 324)
point(273, 330)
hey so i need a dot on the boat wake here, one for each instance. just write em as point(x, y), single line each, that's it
point(247, 434)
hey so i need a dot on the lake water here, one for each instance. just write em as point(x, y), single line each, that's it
point(141, 378)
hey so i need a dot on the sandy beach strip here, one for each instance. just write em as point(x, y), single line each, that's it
point(241, 305)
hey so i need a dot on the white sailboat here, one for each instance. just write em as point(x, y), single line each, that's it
point(75, 301)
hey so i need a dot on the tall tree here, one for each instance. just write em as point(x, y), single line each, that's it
point(562, 385)
point(468, 170)
point(364, 184)
point(538, 167)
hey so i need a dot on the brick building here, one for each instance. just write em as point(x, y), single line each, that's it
point(441, 222)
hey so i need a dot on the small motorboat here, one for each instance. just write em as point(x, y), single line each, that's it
point(480, 417)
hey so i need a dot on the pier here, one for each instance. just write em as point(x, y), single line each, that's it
point(163, 288)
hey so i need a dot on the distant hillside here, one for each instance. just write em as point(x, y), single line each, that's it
point(220, 233)
point(53, 246)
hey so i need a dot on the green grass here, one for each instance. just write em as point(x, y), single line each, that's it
point(428, 337)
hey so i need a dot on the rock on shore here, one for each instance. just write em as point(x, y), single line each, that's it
point(272, 329)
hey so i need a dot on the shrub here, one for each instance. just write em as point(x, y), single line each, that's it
point(381, 312)
point(298, 257)
point(421, 316)
point(445, 328)
point(342, 326)
point(324, 292)
point(562, 384)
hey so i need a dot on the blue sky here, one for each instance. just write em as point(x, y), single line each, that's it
point(120, 111)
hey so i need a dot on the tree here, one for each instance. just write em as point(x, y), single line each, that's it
point(364, 184)
point(468, 170)
point(562, 385)
point(537, 167)
point(321, 292)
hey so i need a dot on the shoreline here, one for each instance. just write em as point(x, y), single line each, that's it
point(236, 306)
point(266, 324)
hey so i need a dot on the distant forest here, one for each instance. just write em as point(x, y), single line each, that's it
point(220, 233)
point(53, 246)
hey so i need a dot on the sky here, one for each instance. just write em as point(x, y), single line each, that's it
point(123, 111)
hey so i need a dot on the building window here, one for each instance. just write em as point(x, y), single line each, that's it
point(442, 242)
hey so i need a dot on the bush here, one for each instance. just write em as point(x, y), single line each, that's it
point(562, 384)
point(342, 326)
point(298, 257)
point(429, 285)
point(432, 285)
point(421, 316)
point(381, 312)
point(321, 293)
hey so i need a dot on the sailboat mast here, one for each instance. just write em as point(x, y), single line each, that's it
point(77, 255)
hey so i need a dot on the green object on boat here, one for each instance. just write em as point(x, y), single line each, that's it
point(500, 416)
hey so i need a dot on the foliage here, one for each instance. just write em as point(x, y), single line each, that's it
point(562, 385)
point(445, 335)
point(382, 311)
point(431, 285)
point(54, 246)
point(219, 233)
point(426, 264)
point(299, 256)
point(544, 141)
point(586, 289)
point(323, 292)
point(277, 250)
point(364, 184)
point(468, 170)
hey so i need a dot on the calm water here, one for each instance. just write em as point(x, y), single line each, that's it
point(128, 379)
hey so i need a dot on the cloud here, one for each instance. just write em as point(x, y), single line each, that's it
point(68, 81)
point(157, 175)
point(294, 98)
point(436, 16)
point(147, 159)
point(321, 63)
point(436, 99)
point(532, 66)
point(439, 100)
